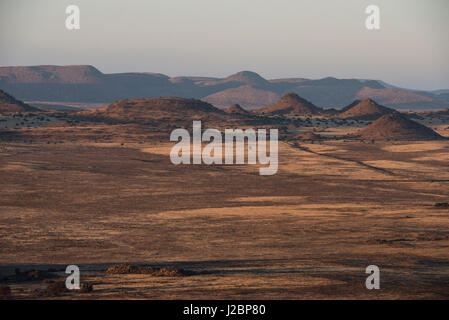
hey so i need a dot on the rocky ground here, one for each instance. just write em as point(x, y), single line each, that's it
point(96, 195)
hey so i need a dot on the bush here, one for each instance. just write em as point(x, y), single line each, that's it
point(5, 291)
point(442, 205)
point(122, 269)
point(56, 288)
point(168, 272)
point(157, 272)
point(86, 287)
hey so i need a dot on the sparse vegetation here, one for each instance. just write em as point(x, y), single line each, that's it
point(112, 185)
point(156, 272)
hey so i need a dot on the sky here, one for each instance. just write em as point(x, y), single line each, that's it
point(275, 38)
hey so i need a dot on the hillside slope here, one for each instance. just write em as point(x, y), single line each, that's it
point(10, 104)
point(366, 109)
point(291, 105)
point(394, 126)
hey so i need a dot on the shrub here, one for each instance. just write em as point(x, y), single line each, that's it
point(87, 287)
point(442, 205)
point(5, 291)
point(56, 288)
point(157, 272)
point(122, 269)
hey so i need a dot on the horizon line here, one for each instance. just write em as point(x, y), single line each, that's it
point(224, 77)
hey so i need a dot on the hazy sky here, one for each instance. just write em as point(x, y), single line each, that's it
point(276, 38)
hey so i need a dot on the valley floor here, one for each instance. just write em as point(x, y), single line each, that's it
point(307, 232)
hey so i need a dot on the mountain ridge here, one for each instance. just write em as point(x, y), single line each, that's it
point(85, 83)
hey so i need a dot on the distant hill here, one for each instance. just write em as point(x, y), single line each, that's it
point(86, 84)
point(152, 110)
point(246, 95)
point(10, 104)
point(400, 98)
point(52, 74)
point(365, 109)
point(443, 95)
point(444, 112)
point(395, 126)
point(242, 78)
point(292, 105)
point(80, 84)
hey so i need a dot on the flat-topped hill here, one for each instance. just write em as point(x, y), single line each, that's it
point(147, 109)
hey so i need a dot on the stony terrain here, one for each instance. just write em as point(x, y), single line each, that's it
point(94, 193)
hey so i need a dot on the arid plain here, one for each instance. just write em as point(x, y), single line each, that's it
point(101, 194)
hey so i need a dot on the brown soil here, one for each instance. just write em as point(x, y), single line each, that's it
point(308, 136)
point(96, 195)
